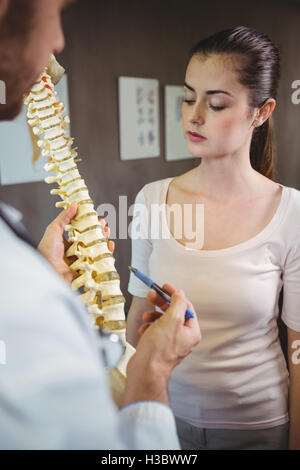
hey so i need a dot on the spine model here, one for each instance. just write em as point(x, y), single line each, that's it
point(94, 269)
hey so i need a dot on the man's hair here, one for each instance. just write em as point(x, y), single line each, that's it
point(18, 18)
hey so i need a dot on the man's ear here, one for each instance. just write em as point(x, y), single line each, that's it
point(3, 8)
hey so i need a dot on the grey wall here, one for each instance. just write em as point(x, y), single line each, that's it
point(151, 39)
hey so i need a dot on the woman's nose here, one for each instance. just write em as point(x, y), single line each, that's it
point(197, 116)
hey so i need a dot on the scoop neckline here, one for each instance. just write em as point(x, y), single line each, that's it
point(259, 237)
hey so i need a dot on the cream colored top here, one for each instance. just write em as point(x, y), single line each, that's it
point(237, 376)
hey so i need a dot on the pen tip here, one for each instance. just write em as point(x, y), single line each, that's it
point(131, 269)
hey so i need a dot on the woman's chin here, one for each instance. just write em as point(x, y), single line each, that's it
point(195, 153)
point(195, 149)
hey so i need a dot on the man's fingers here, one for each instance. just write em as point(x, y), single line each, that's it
point(178, 306)
point(157, 300)
point(106, 229)
point(111, 246)
point(68, 276)
point(168, 288)
point(149, 317)
point(143, 328)
point(107, 232)
point(102, 222)
point(65, 217)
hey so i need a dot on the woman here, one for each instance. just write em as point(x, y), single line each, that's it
point(232, 391)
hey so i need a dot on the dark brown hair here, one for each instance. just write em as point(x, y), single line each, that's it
point(259, 70)
point(19, 18)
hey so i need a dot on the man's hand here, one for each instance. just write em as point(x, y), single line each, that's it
point(166, 340)
point(54, 245)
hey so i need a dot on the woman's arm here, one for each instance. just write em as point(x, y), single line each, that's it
point(294, 393)
point(138, 307)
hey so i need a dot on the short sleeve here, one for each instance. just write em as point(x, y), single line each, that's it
point(141, 246)
point(291, 288)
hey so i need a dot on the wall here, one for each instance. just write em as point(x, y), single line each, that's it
point(151, 39)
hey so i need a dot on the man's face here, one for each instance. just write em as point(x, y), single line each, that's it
point(30, 30)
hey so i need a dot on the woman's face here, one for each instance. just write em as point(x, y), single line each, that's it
point(215, 107)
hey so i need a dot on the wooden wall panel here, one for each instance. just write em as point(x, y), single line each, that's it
point(151, 40)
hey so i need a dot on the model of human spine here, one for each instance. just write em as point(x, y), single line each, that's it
point(94, 269)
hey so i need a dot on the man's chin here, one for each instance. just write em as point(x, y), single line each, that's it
point(10, 112)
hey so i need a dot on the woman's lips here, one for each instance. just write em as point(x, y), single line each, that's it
point(195, 137)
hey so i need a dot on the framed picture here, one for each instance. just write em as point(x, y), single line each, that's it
point(138, 118)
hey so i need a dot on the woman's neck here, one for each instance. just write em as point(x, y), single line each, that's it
point(227, 179)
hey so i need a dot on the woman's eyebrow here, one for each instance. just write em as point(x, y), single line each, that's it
point(188, 86)
point(210, 92)
point(213, 92)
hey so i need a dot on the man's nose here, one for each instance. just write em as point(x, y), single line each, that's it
point(59, 44)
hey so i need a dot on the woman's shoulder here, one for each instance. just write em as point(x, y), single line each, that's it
point(291, 212)
point(154, 190)
point(158, 183)
point(295, 195)
point(294, 199)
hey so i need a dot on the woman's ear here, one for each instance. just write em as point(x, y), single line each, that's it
point(266, 110)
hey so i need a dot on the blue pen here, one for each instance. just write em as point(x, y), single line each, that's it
point(146, 280)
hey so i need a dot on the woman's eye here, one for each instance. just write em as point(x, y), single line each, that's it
point(188, 101)
point(216, 108)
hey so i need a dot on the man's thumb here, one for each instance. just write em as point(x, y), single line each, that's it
point(178, 304)
point(67, 215)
